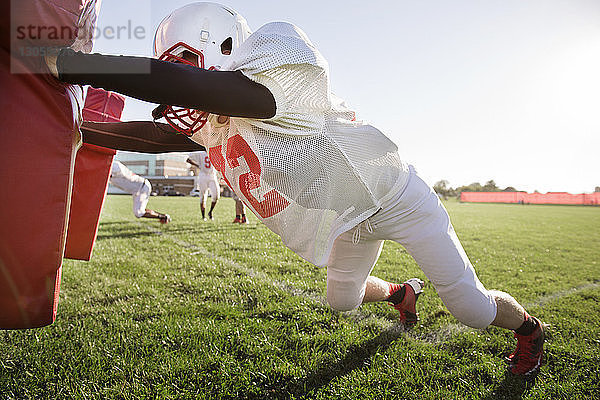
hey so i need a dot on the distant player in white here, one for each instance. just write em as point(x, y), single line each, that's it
point(331, 186)
point(205, 180)
point(140, 188)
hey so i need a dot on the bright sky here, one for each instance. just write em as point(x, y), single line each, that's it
point(469, 90)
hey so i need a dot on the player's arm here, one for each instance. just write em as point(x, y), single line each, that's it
point(140, 136)
point(190, 161)
point(218, 92)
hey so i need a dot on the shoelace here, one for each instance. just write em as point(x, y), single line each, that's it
point(356, 234)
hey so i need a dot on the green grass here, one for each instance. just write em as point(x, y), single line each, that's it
point(214, 310)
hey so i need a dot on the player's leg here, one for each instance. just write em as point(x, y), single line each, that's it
point(240, 211)
point(348, 269)
point(140, 201)
point(203, 196)
point(215, 194)
point(402, 296)
point(421, 224)
point(203, 188)
point(353, 257)
point(212, 207)
point(529, 331)
point(349, 282)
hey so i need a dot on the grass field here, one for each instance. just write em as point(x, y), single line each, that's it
point(214, 310)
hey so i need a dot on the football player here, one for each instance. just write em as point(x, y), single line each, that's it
point(205, 180)
point(140, 188)
point(330, 185)
point(240, 211)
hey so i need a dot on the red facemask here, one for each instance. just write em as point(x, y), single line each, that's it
point(184, 120)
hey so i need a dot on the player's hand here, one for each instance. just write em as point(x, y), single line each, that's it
point(85, 28)
point(83, 42)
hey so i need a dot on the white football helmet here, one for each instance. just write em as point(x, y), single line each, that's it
point(209, 31)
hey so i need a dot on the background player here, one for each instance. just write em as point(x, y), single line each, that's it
point(205, 180)
point(140, 188)
point(331, 186)
point(240, 210)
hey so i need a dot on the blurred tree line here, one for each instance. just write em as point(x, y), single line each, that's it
point(444, 189)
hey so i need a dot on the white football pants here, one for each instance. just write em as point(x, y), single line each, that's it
point(140, 199)
point(204, 184)
point(417, 220)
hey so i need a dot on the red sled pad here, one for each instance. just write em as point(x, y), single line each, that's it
point(103, 106)
point(40, 135)
point(92, 172)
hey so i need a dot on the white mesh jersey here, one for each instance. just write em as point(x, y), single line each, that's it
point(312, 171)
point(125, 179)
point(205, 169)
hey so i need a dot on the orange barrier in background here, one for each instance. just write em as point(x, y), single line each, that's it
point(591, 199)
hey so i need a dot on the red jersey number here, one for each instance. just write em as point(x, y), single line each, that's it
point(237, 148)
point(207, 162)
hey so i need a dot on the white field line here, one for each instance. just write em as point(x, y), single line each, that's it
point(542, 301)
point(198, 250)
point(457, 328)
point(360, 315)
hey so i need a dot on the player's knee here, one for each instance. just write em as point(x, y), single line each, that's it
point(343, 296)
point(139, 213)
point(478, 319)
point(342, 304)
